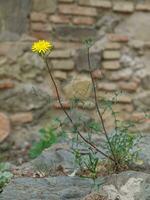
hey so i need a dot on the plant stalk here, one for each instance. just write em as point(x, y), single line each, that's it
point(98, 110)
point(68, 116)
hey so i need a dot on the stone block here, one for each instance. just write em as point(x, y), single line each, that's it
point(124, 99)
point(111, 65)
point(124, 74)
point(66, 1)
point(38, 17)
point(77, 10)
point(107, 86)
point(74, 33)
point(124, 7)
point(143, 7)
point(48, 6)
point(61, 54)
point(21, 118)
point(6, 84)
point(113, 46)
point(65, 105)
point(63, 64)
point(4, 127)
point(128, 86)
point(96, 3)
point(40, 27)
point(83, 20)
point(111, 55)
point(118, 38)
point(60, 75)
point(59, 19)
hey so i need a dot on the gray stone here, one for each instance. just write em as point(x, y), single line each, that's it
point(48, 6)
point(128, 185)
point(13, 18)
point(144, 155)
point(53, 157)
point(24, 98)
point(81, 60)
point(54, 188)
point(74, 33)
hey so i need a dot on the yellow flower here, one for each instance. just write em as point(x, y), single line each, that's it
point(42, 46)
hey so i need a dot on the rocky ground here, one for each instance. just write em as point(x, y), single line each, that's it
point(51, 177)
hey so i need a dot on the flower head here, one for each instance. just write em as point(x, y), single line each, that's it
point(42, 46)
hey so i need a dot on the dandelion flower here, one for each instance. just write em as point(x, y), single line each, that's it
point(42, 46)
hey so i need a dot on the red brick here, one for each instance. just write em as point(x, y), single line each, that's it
point(38, 17)
point(66, 1)
point(77, 10)
point(4, 126)
point(41, 35)
point(107, 86)
point(65, 104)
point(97, 74)
point(41, 27)
point(137, 116)
point(124, 99)
point(21, 118)
point(113, 45)
point(118, 38)
point(111, 55)
point(129, 86)
point(84, 20)
point(111, 65)
point(143, 7)
point(96, 3)
point(59, 19)
point(124, 7)
point(7, 84)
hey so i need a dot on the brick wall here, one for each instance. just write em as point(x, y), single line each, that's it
point(119, 56)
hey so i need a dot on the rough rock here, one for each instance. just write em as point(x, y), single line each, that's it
point(81, 60)
point(128, 185)
point(54, 188)
point(25, 98)
point(13, 19)
point(80, 87)
point(107, 23)
point(124, 186)
point(138, 31)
